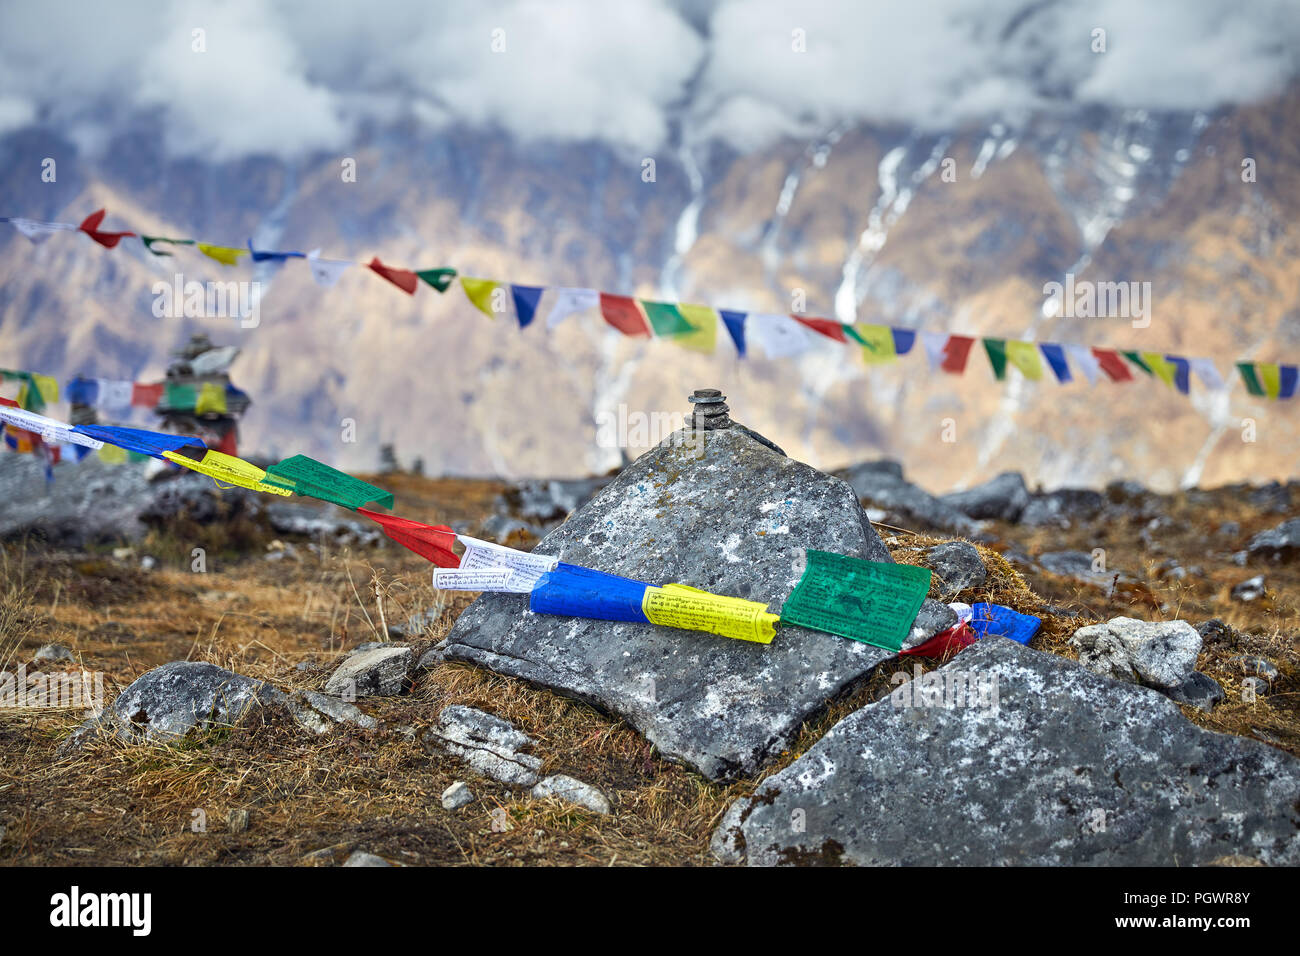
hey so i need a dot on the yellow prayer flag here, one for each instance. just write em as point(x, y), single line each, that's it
point(226, 255)
point(112, 455)
point(212, 398)
point(1161, 367)
point(704, 328)
point(229, 469)
point(479, 291)
point(1024, 356)
point(877, 343)
point(48, 387)
point(1270, 376)
point(677, 605)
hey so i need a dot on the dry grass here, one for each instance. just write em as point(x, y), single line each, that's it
point(313, 800)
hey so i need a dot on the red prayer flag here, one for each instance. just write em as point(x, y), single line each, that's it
point(404, 279)
point(827, 327)
point(90, 226)
point(432, 542)
point(1113, 365)
point(955, 353)
point(622, 312)
point(954, 639)
point(146, 396)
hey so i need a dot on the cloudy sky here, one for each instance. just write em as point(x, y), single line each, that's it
point(292, 77)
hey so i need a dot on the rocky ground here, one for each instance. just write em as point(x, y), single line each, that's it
point(505, 737)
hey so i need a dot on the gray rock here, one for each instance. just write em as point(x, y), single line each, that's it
point(53, 654)
point(320, 713)
point(1062, 507)
point(486, 743)
point(958, 566)
point(1159, 654)
point(297, 518)
point(1077, 565)
point(1003, 498)
point(731, 517)
point(547, 500)
point(430, 658)
point(376, 672)
point(1255, 666)
point(1252, 589)
point(1216, 632)
point(572, 791)
point(882, 484)
point(1198, 690)
point(170, 701)
point(1052, 766)
point(362, 858)
point(457, 796)
point(499, 527)
point(1274, 496)
point(1282, 542)
point(90, 502)
point(933, 618)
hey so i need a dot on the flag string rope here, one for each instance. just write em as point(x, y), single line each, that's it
point(779, 335)
point(889, 595)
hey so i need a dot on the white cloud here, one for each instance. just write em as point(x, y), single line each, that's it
point(244, 91)
point(290, 77)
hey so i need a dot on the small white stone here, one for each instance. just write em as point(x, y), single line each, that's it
point(456, 796)
point(573, 791)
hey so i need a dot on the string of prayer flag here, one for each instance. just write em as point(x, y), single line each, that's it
point(695, 326)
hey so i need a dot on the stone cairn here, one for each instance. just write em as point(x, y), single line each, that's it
point(709, 410)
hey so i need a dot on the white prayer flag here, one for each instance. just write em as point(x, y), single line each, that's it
point(934, 343)
point(326, 272)
point(37, 232)
point(569, 302)
point(458, 579)
point(1207, 372)
point(1087, 362)
point(779, 336)
point(47, 428)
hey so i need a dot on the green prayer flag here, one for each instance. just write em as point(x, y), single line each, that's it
point(997, 351)
point(309, 477)
point(1137, 360)
point(875, 602)
point(440, 279)
point(150, 240)
point(1247, 370)
point(665, 319)
point(180, 396)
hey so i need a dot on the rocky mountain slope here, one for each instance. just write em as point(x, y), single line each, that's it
point(862, 220)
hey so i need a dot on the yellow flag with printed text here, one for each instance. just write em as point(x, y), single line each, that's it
point(230, 470)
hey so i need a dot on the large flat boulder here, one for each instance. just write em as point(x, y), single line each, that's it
point(1039, 762)
point(731, 516)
